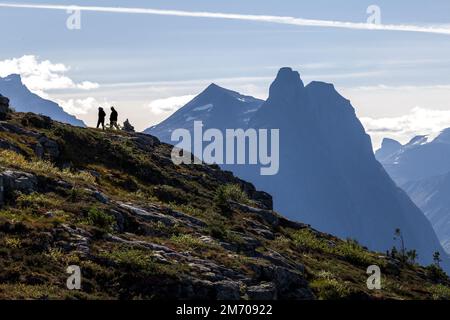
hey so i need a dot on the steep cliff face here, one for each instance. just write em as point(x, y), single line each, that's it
point(328, 175)
point(138, 226)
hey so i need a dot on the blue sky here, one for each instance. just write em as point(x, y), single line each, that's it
point(147, 64)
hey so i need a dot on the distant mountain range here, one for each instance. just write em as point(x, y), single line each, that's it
point(422, 168)
point(23, 100)
point(215, 106)
point(328, 175)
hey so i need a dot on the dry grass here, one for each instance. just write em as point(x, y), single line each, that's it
point(12, 159)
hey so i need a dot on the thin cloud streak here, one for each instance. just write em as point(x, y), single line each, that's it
point(243, 17)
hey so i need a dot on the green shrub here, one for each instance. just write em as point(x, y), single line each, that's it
point(36, 201)
point(75, 194)
point(168, 194)
point(352, 252)
point(226, 193)
point(327, 287)
point(100, 219)
point(305, 239)
point(15, 160)
point(186, 241)
point(348, 250)
point(436, 273)
point(440, 292)
point(134, 259)
point(231, 192)
point(12, 242)
point(217, 230)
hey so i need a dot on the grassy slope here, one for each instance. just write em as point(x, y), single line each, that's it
point(34, 250)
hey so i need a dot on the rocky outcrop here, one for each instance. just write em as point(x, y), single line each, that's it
point(43, 147)
point(19, 181)
point(127, 126)
point(47, 148)
point(4, 107)
point(263, 291)
point(16, 181)
point(141, 227)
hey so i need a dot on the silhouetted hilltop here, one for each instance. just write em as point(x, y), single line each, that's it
point(139, 227)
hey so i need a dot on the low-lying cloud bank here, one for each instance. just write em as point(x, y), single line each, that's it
point(402, 128)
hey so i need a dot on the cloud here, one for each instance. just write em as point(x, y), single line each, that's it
point(81, 106)
point(87, 85)
point(438, 29)
point(40, 76)
point(170, 104)
point(420, 121)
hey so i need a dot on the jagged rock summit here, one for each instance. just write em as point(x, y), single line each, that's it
point(328, 175)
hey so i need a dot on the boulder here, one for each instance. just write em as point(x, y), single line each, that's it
point(227, 290)
point(150, 215)
point(49, 147)
point(127, 126)
point(18, 181)
point(263, 291)
point(5, 144)
point(268, 216)
point(100, 196)
point(289, 284)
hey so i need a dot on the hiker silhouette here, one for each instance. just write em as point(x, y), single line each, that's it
point(113, 119)
point(101, 118)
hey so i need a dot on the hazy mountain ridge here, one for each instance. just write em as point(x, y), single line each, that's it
point(217, 107)
point(328, 174)
point(422, 168)
point(23, 100)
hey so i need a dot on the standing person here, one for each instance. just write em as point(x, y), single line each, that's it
point(113, 119)
point(101, 118)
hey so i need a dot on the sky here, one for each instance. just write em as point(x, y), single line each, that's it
point(148, 65)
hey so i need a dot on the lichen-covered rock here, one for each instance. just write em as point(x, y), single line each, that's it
point(19, 181)
point(263, 291)
point(227, 290)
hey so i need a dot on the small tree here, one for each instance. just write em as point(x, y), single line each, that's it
point(394, 253)
point(437, 258)
point(412, 256)
point(399, 236)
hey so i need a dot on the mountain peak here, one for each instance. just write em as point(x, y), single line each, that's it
point(287, 85)
point(444, 136)
point(388, 148)
point(421, 139)
point(287, 76)
point(23, 100)
point(13, 77)
point(387, 142)
point(214, 88)
point(321, 85)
